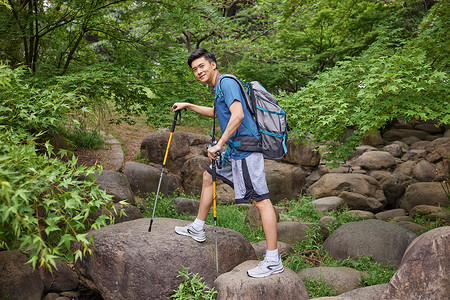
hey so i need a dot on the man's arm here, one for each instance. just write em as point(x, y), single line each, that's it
point(202, 110)
point(237, 115)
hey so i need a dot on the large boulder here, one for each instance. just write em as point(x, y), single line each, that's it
point(154, 148)
point(340, 279)
point(326, 204)
point(302, 154)
point(374, 160)
point(426, 193)
point(424, 270)
point(237, 285)
point(361, 191)
point(18, 280)
point(386, 242)
point(192, 173)
point(116, 184)
point(285, 181)
point(183, 146)
point(144, 179)
point(128, 262)
point(186, 205)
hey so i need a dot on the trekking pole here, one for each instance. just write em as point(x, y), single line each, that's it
point(215, 213)
point(214, 163)
point(176, 121)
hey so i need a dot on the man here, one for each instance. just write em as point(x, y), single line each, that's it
point(244, 171)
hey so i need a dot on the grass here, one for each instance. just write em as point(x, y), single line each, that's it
point(82, 137)
point(309, 253)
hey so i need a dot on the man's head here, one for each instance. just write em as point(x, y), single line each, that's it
point(201, 52)
point(203, 64)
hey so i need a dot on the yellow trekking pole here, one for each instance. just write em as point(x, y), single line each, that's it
point(176, 121)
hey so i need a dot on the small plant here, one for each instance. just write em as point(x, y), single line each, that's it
point(319, 288)
point(193, 287)
point(82, 137)
point(142, 158)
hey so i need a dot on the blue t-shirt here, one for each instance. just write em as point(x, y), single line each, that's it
point(231, 92)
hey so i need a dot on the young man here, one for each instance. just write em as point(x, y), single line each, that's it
point(244, 171)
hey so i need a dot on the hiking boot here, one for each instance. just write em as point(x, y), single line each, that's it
point(266, 268)
point(188, 230)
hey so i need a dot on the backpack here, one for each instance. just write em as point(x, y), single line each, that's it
point(270, 119)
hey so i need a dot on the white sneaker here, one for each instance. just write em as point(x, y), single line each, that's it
point(266, 268)
point(188, 230)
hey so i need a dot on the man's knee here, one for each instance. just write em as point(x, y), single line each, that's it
point(207, 178)
point(263, 204)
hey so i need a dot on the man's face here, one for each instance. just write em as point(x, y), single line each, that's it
point(204, 70)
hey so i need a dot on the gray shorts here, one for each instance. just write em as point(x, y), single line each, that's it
point(246, 176)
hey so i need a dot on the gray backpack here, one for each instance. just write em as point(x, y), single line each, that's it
point(270, 119)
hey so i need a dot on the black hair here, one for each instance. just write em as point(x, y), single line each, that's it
point(201, 52)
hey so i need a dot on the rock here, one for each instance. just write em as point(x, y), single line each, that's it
point(386, 242)
point(340, 279)
point(155, 145)
point(372, 292)
point(293, 232)
point(430, 211)
point(424, 171)
point(327, 220)
point(420, 145)
point(414, 155)
point(424, 270)
point(253, 217)
point(51, 296)
point(438, 149)
point(237, 285)
point(261, 247)
point(116, 184)
point(363, 148)
point(394, 149)
point(285, 181)
point(302, 154)
point(390, 214)
point(186, 205)
point(328, 203)
point(192, 173)
point(430, 128)
point(373, 139)
point(398, 134)
point(128, 262)
point(144, 179)
point(62, 279)
point(375, 160)
point(411, 226)
point(427, 193)
point(334, 184)
point(406, 168)
point(224, 193)
point(393, 184)
point(130, 212)
point(362, 214)
point(18, 280)
point(410, 140)
point(358, 201)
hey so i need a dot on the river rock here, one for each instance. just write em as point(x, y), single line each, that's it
point(128, 262)
point(424, 270)
point(375, 160)
point(385, 241)
point(237, 285)
point(427, 193)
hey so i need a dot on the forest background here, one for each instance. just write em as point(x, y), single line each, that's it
point(334, 66)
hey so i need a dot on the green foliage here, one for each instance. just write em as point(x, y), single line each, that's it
point(45, 205)
point(164, 207)
point(366, 93)
point(193, 287)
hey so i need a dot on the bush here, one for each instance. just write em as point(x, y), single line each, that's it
point(193, 287)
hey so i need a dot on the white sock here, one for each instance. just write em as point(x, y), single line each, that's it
point(198, 224)
point(272, 255)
